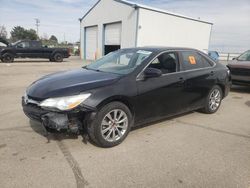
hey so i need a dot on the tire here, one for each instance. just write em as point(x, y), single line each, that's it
point(7, 58)
point(105, 133)
point(57, 57)
point(213, 100)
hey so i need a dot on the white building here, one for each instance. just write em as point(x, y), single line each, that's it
point(113, 24)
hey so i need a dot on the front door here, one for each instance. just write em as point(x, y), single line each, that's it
point(23, 49)
point(161, 96)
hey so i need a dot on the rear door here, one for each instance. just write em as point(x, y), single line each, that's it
point(36, 51)
point(200, 78)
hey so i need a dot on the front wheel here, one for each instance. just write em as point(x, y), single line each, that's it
point(111, 125)
point(213, 100)
point(7, 58)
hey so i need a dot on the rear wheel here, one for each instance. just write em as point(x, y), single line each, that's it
point(58, 57)
point(213, 100)
point(7, 58)
point(111, 125)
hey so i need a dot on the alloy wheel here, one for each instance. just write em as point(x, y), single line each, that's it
point(114, 125)
point(214, 99)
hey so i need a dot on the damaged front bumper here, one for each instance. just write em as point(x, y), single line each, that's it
point(71, 121)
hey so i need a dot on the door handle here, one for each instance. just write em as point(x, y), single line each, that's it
point(181, 80)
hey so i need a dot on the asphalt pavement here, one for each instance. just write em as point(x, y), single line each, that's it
point(191, 150)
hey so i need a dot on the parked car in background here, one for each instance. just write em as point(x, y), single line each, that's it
point(31, 49)
point(240, 69)
point(2, 44)
point(214, 55)
point(126, 88)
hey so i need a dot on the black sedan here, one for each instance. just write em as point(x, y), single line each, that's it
point(240, 69)
point(126, 88)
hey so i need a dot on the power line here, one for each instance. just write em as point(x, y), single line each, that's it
point(37, 25)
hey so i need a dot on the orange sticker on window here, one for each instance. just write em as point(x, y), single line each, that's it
point(192, 60)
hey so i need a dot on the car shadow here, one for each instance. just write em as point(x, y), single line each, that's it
point(240, 89)
point(58, 136)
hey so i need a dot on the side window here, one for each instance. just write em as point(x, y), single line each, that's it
point(166, 62)
point(206, 63)
point(35, 44)
point(23, 45)
point(193, 60)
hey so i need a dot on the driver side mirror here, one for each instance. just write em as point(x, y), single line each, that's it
point(152, 73)
point(235, 58)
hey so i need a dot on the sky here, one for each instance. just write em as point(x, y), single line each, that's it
point(231, 18)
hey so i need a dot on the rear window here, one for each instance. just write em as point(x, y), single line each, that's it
point(35, 44)
point(193, 60)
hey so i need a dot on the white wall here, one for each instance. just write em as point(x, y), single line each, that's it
point(167, 30)
point(109, 11)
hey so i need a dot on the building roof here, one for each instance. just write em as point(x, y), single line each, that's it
point(137, 5)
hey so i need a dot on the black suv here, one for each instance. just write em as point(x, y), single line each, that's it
point(32, 49)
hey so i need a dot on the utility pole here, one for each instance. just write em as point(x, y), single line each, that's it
point(37, 25)
point(64, 38)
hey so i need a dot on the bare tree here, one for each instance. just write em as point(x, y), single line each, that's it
point(3, 32)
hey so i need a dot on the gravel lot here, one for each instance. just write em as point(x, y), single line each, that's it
point(193, 150)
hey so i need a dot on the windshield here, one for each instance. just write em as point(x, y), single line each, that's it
point(14, 43)
point(2, 44)
point(121, 61)
point(245, 56)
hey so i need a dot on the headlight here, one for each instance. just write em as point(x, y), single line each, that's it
point(65, 103)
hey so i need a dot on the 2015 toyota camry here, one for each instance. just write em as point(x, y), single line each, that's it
point(126, 88)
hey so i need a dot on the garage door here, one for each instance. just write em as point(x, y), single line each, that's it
point(113, 34)
point(91, 42)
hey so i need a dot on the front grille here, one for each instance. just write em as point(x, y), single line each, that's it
point(240, 71)
point(33, 111)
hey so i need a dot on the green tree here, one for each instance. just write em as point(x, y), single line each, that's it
point(31, 34)
point(53, 39)
point(20, 33)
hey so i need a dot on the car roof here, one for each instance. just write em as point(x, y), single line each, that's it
point(162, 48)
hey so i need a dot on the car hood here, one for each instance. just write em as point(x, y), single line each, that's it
point(239, 64)
point(4, 41)
point(69, 83)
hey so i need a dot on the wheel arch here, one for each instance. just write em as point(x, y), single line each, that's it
point(118, 98)
point(8, 51)
point(223, 88)
point(55, 52)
